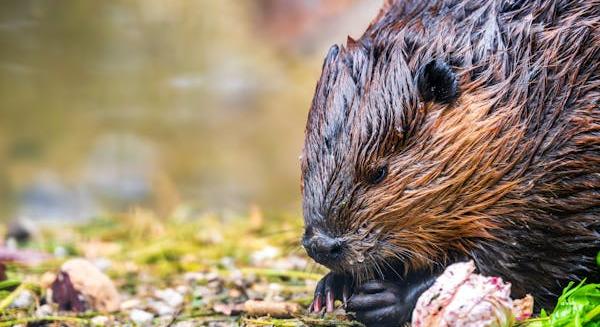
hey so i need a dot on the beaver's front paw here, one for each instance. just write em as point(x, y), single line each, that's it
point(381, 303)
point(330, 288)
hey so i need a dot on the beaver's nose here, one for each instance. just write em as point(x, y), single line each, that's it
point(324, 249)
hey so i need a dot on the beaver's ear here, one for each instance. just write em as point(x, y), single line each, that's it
point(437, 82)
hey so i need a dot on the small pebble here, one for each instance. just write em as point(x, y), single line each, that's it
point(268, 252)
point(181, 289)
point(23, 300)
point(21, 230)
point(192, 277)
point(228, 263)
point(216, 285)
point(60, 252)
point(141, 317)
point(164, 320)
point(234, 293)
point(238, 278)
point(130, 304)
point(290, 263)
point(12, 244)
point(170, 296)
point(275, 287)
point(99, 321)
point(212, 276)
point(44, 310)
point(203, 291)
point(161, 308)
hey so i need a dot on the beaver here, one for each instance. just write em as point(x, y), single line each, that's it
point(455, 130)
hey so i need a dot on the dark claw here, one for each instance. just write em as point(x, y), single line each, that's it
point(345, 294)
point(329, 300)
point(330, 288)
point(317, 304)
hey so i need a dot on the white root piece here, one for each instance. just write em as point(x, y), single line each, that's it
point(273, 309)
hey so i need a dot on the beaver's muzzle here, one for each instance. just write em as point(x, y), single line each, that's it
point(324, 249)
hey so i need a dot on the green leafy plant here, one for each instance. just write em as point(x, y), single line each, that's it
point(578, 306)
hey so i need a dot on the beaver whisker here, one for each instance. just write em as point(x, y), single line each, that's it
point(377, 267)
point(361, 274)
point(405, 254)
point(391, 267)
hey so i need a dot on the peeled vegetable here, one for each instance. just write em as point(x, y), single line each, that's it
point(460, 297)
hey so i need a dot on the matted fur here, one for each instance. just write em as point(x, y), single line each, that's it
point(508, 174)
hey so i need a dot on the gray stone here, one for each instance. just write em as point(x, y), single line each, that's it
point(170, 297)
point(141, 317)
point(23, 300)
point(161, 308)
point(99, 321)
point(44, 310)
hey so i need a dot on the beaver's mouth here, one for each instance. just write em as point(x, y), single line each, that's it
point(367, 265)
point(372, 265)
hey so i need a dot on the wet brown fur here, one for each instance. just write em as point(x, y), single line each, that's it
point(508, 174)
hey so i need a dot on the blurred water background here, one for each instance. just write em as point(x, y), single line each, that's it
point(163, 104)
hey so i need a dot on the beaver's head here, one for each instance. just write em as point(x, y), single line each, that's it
point(398, 170)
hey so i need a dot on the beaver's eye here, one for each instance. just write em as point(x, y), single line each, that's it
point(377, 175)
